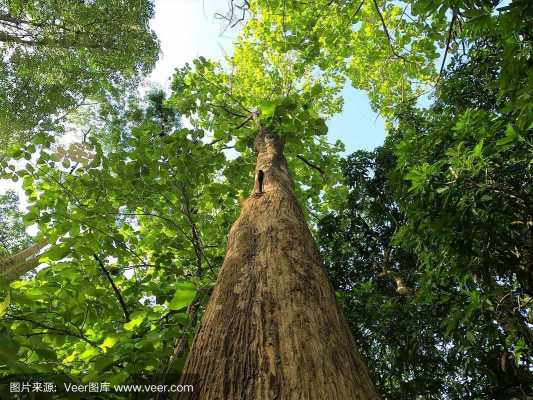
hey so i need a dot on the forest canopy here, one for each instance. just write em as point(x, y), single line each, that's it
point(427, 240)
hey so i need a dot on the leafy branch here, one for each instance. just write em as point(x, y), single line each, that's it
point(51, 329)
point(387, 34)
point(310, 164)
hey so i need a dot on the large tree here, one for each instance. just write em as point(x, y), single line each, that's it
point(262, 335)
point(92, 228)
point(272, 328)
point(137, 214)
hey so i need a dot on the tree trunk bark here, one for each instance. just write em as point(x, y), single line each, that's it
point(14, 266)
point(272, 328)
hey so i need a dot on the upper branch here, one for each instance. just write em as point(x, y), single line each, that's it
point(384, 25)
point(118, 295)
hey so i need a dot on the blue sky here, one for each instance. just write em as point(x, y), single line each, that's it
point(358, 127)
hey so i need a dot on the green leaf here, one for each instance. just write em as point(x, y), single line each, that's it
point(118, 378)
point(108, 343)
point(4, 305)
point(184, 295)
point(88, 354)
point(57, 252)
point(135, 321)
point(510, 137)
point(478, 149)
point(70, 358)
point(268, 108)
point(31, 216)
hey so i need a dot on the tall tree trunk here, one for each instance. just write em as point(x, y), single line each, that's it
point(272, 328)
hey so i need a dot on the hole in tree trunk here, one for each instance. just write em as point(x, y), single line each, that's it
point(260, 178)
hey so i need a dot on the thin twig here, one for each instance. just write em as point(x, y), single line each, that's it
point(118, 295)
point(388, 34)
point(310, 164)
point(229, 110)
point(51, 329)
point(448, 39)
point(248, 119)
point(356, 12)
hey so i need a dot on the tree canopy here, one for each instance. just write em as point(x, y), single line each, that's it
point(428, 239)
point(58, 54)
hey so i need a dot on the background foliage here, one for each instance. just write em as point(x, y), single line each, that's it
point(56, 55)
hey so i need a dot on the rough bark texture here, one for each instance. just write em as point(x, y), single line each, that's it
point(14, 266)
point(272, 328)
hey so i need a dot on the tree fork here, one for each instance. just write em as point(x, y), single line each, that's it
point(272, 328)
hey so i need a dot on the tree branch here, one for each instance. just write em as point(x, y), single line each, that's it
point(115, 288)
point(13, 266)
point(448, 39)
point(52, 329)
point(310, 164)
point(387, 33)
point(248, 119)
